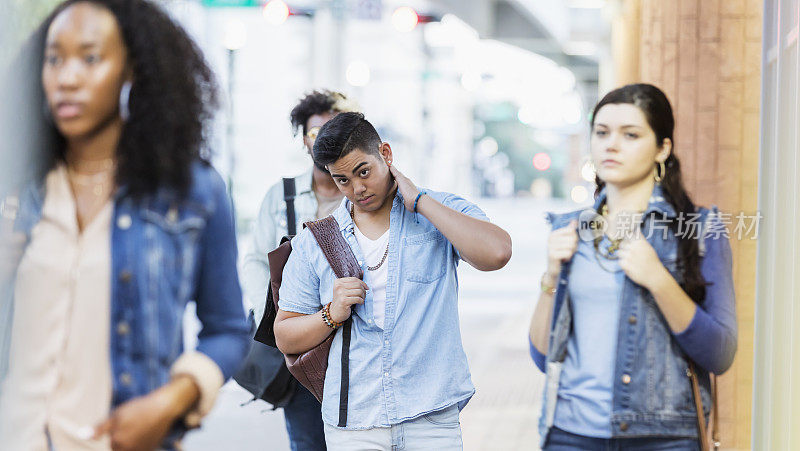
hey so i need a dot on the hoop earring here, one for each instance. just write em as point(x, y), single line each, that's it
point(660, 177)
point(124, 101)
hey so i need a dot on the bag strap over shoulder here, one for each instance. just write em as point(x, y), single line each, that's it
point(289, 193)
point(702, 436)
point(344, 387)
point(344, 264)
point(336, 250)
point(714, 413)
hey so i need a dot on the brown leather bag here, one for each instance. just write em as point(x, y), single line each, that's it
point(309, 368)
point(702, 433)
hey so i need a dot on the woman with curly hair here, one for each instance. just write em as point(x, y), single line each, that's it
point(315, 196)
point(629, 314)
point(125, 224)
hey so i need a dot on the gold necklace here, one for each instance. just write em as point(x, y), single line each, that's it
point(611, 250)
point(91, 167)
point(98, 182)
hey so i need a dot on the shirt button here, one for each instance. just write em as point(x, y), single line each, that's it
point(623, 427)
point(123, 328)
point(126, 379)
point(632, 319)
point(124, 222)
point(385, 374)
point(125, 276)
point(626, 379)
point(360, 263)
point(386, 342)
point(172, 215)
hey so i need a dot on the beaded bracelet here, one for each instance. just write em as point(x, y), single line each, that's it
point(416, 201)
point(326, 316)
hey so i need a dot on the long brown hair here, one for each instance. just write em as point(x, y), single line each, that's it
point(658, 111)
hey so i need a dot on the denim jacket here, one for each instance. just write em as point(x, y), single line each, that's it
point(164, 253)
point(652, 394)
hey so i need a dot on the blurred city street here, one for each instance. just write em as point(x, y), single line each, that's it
point(492, 100)
point(495, 312)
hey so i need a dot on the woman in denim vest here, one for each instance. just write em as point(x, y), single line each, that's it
point(636, 290)
point(124, 225)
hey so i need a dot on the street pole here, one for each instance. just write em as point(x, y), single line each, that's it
point(338, 11)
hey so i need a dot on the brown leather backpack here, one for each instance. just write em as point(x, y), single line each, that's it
point(309, 368)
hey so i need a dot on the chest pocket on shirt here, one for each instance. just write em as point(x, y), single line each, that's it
point(172, 237)
point(425, 257)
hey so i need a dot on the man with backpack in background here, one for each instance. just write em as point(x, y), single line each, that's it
point(286, 206)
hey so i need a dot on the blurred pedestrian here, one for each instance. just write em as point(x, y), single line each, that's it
point(126, 223)
point(625, 311)
point(310, 196)
point(408, 375)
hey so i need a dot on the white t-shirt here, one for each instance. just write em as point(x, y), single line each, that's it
point(373, 251)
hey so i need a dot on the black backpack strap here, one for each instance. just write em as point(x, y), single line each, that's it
point(345, 387)
point(288, 197)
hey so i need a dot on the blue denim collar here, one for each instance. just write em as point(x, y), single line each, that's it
point(342, 213)
point(657, 203)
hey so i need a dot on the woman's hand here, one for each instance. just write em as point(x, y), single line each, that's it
point(347, 292)
point(641, 263)
point(407, 189)
point(561, 246)
point(143, 422)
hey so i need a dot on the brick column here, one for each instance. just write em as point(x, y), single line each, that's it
point(706, 55)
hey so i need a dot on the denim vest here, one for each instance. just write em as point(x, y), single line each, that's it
point(165, 252)
point(652, 393)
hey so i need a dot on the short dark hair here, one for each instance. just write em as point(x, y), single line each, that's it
point(341, 135)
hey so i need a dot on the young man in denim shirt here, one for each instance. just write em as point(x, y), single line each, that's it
point(407, 369)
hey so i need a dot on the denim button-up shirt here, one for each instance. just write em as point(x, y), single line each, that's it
point(165, 252)
point(416, 364)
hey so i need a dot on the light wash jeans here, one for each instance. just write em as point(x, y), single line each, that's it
point(439, 430)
